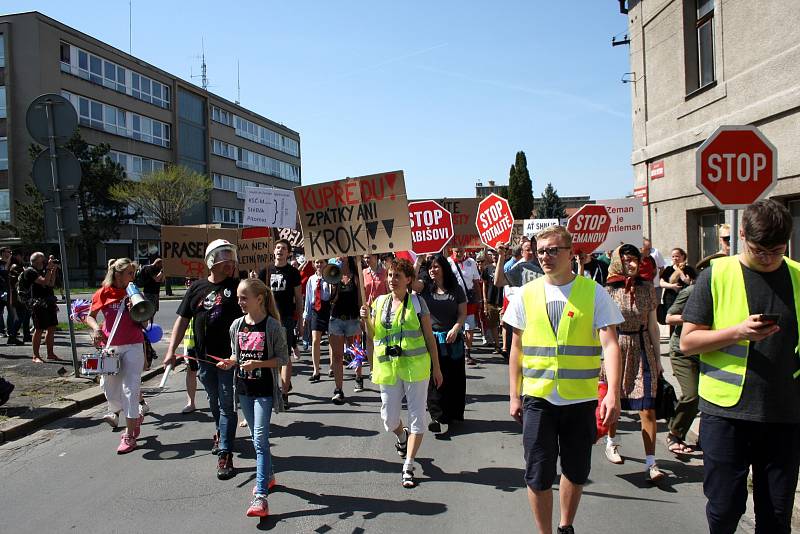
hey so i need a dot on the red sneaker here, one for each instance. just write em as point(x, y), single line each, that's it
point(138, 428)
point(126, 444)
point(258, 507)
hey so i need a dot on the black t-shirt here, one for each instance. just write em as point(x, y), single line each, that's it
point(670, 294)
point(443, 307)
point(493, 294)
point(344, 301)
point(252, 341)
point(39, 291)
point(214, 308)
point(282, 281)
point(149, 284)
point(523, 272)
point(770, 394)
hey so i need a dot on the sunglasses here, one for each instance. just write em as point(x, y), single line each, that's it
point(726, 238)
point(550, 251)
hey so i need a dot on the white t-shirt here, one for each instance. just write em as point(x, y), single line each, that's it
point(661, 263)
point(469, 268)
point(606, 313)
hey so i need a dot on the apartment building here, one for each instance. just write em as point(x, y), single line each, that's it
point(149, 117)
point(697, 65)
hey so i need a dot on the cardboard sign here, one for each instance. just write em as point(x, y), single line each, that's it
point(183, 248)
point(295, 237)
point(270, 207)
point(531, 227)
point(627, 221)
point(256, 253)
point(464, 212)
point(354, 216)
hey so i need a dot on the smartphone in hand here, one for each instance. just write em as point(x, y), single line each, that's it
point(772, 318)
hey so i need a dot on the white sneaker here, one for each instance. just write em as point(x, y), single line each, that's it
point(654, 474)
point(112, 419)
point(612, 454)
point(144, 409)
point(189, 408)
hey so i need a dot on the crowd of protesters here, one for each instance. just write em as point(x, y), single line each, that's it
point(581, 335)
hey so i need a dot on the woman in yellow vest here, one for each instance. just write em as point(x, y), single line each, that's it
point(405, 357)
point(639, 342)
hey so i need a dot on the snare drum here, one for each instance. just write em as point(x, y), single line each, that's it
point(103, 362)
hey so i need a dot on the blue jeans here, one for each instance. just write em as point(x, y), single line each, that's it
point(219, 389)
point(257, 411)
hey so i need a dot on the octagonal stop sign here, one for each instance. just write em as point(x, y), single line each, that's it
point(736, 166)
point(431, 226)
point(589, 227)
point(494, 221)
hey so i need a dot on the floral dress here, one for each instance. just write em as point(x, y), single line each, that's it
point(639, 374)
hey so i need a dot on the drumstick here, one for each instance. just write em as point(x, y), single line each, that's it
point(166, 375)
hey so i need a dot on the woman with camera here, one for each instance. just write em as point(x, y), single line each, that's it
point(405, 357)
point(124, 336)
point(37, 283)
point(447, 303)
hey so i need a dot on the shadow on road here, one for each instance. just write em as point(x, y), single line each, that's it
point(506, 479)
point(314, 430)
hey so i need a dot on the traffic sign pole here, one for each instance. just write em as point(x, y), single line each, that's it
point(51, 138)
point(732, 216)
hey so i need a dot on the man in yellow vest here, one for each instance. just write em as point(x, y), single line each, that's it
point(742, 320)
point(562, 324)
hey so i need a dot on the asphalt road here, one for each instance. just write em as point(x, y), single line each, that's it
point(336, 468)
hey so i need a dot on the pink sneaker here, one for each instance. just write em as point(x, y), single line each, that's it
point(138, 428)
point(258, 507)
point(126, 444)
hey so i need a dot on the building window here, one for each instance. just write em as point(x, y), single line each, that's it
point(120, 122)
point(266, 165)
point(5, 210)
point(228, 216)
point(221, 116)
point(231, 183)
point(2, 51)
point(2, 101)
point(108, 74)
point(265, 136)
point(135, 166)
point(699, 44)
point(3, 153)
point(709, 232)
point(221, 148)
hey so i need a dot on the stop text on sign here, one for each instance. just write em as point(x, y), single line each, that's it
point(590, 222)
point(431, 226)
point(742, 166)
point(495, 221)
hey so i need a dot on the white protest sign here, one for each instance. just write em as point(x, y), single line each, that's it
point(531, 227)
point(274, 208)
point(626, 222)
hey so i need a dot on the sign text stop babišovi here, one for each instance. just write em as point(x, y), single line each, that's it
point(368, 214)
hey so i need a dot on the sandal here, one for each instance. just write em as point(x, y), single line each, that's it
point(402, 446)
point(408, 478)
point(676, 445)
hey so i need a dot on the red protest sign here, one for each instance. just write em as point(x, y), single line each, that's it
point(589, 227)
point(495, 221)
point(736, 166)
point(431, 226)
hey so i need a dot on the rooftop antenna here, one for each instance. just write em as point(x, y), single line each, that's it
point(203, 72)
point(238, 87)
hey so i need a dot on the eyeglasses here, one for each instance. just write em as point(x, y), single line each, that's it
point(550, 251)
point(726, 238)
point(764, 254)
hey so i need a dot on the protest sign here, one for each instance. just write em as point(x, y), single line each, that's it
point(464, 212)
point(183, 248)
point(294, 237)
point(495, 221)
point(531, 227)
point(256, 248)
point(270, 207)
point(354, 216)
point(626, 222)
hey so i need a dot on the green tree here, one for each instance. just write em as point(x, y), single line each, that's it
point(550, 206)
point(165, 195)
point(29, 225)
point(520, 188)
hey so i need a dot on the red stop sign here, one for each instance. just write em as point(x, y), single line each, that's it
point(494, 221)
point(589, 228)
point(736, 166)
point(431, 226)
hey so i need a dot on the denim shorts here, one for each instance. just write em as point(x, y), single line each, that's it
point(344, 327)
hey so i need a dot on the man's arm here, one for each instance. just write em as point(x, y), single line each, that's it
point(610, 407)
point(515, 376)
point(178, 330)
point(697, 338)
point(499, 275)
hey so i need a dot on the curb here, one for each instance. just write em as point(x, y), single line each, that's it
point(17, 427)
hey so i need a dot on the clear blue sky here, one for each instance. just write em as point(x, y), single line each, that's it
point(447, 91)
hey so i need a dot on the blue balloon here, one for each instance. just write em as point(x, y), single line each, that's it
point(154, 333)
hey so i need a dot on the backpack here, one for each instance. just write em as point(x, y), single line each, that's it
point(139, 278)
point(24, 286)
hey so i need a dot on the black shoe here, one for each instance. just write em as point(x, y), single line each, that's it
point(359, 387)
point(314, 378)
point(566, 530)
point(338, 396)
point(215, 445)
point(27, 339)
point(12, 340)
point(435, 427)
point(6, 388)
point(225, 469)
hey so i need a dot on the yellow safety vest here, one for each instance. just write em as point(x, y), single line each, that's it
point(722, 372)
point(572, 355)
point(414, 364)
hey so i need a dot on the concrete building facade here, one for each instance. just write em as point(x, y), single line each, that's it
point(697, 65)
point(149, 117)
